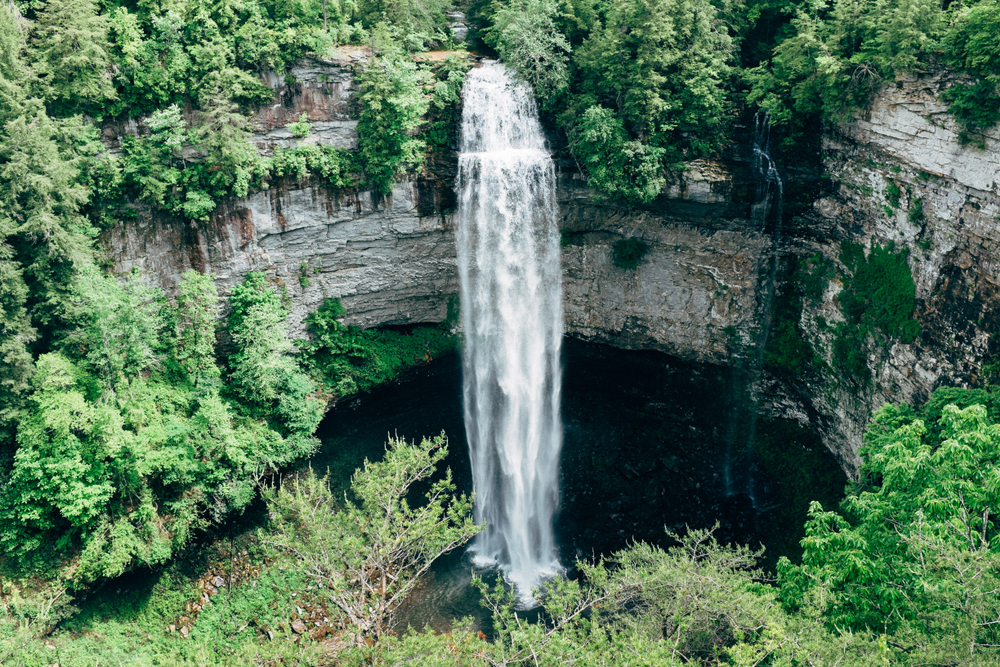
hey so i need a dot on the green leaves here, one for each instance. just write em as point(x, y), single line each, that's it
point(392, 108)
point(69, 48)
point(525, 36)
point(350, 359)
point(365, 556)
point(915, 554)
point(877, 302)
point(618, 168)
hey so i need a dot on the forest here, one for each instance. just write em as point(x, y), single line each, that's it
point(134, 423)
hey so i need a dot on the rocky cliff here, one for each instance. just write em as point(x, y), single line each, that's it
point(702, 285)
point(902, 176)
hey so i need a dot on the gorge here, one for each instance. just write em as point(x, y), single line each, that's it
point(502, 334)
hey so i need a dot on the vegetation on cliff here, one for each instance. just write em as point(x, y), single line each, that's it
point(130, 422)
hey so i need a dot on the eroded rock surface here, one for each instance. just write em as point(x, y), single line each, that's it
point(698, 289)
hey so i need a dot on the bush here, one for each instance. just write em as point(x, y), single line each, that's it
point(617, 167)
point(626, 254)
point(365, 555)
point(877, 302)
point(390, 93)
point(351, 359)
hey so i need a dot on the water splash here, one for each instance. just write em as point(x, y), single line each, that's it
point(508, 257)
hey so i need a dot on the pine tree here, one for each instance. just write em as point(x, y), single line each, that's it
point(196, 308)
point(69, 44)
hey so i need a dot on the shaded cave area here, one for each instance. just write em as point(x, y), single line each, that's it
point(651, 444)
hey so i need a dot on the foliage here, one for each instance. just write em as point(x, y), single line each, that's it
point(366, 557)
point(351, 359)
point(915, 215)
point(333, 167)
point(300, 128)
point(877, 302)
point(392, 108)
point(264, 371)
point(892, 193)
point(125, 446)
point(626, 254)
point(197, 304)
point(617, 168)
point(913, 556)
point(663, 65)
point(417, 21)
point(524, 33)
point(833, 60)
point(905, 574)
point(446, 100)
point(975, 106)
point(971, 46)
point(69, 47)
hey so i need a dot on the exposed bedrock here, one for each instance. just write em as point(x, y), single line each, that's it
point(698, 288)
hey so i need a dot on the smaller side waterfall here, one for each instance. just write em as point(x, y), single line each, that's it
point(770, 189)
point(508, 256)
point(766, 208)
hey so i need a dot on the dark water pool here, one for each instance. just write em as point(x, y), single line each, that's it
point(648, 446)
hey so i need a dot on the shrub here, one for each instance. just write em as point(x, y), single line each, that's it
point(626, 254)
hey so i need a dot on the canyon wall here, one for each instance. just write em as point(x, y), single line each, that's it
point(703, 284)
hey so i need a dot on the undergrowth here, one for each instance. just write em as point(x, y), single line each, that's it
point(877, 302)
point(350, 359)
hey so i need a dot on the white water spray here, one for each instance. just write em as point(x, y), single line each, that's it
point(508, 257)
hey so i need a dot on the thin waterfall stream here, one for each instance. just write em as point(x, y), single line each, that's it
point(511, 302)
point(766, 206)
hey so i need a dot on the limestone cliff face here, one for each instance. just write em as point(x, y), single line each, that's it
point(703, 283)
point(388, 263)
point(395, 262)
point(948, 216)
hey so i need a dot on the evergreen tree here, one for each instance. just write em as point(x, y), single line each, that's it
point(524, 34)
point(392, 108)
point(69, 46)
point(197, 305)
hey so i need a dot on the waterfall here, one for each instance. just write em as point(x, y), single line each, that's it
point(767, 205)
point(770, 189)
point(511, 302)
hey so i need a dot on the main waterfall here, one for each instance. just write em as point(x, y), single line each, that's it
point(508, 256)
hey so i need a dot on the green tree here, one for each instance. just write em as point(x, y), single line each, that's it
point(525, 36)
point(617, 167)
point(264, 370)
point(390, 92)
point(664, 65)
point(913, 555)
point(69, 47)
point(118, 326)
point(197, 305)
point(365, 556)
point(40, 201)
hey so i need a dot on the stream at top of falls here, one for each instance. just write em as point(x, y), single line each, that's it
point(511, 307)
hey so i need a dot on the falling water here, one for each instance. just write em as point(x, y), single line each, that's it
point(770, 189)
point(767, 205)
point(508, 256)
